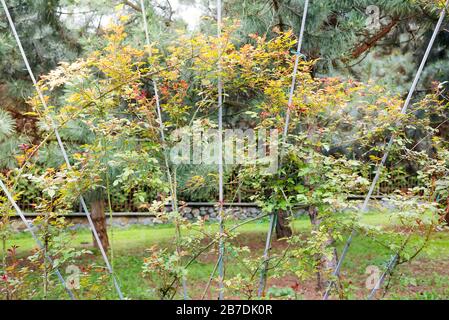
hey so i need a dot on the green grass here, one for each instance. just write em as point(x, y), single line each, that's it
point(138, 236)
point(130, 246)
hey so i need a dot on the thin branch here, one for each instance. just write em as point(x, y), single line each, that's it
point(371, 42)
point(132, 5)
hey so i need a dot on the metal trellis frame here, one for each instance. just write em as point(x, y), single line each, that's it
point(220, 157)
point(62, 148)
point(30, 229)
point(273, 218)
point(174, 200)
point(392, 263)
point(336, 272)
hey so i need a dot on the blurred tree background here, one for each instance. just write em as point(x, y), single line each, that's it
point(367, 40)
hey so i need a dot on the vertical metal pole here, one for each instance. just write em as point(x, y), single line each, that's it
point(220, 156)
point(174, 200)
point(263, 273)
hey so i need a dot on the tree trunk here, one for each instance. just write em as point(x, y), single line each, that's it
point(99, 220)
point(325, 264)
point(446, 215)
point(283, 230)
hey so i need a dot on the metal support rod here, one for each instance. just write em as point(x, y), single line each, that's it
point(61, 146)
point(263, 273)
point(220, 157)
point(29, 227)
point(174, 200)
point(336, 272)
point(266, 256)
point(391, 264)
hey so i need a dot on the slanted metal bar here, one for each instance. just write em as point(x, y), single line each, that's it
point(336, 272)
point(61, 146)
point(29, 227)
point(266, 255)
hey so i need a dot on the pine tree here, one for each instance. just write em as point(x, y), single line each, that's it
point(9, 141)
point(349, 36)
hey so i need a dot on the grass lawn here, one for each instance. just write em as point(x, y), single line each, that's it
point(427, 277)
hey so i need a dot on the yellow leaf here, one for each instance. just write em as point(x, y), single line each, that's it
point(124, 18)
point(119, 7)
point(20, 159)
point(32, 114)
